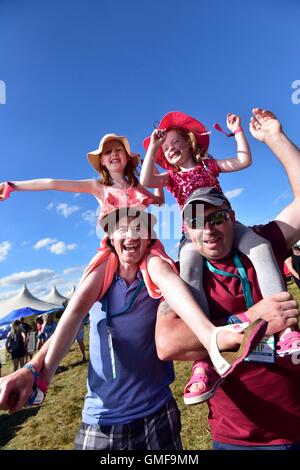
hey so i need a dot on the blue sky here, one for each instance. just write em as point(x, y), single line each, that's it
point(71, 71)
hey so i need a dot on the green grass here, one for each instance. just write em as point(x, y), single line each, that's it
point(54, 425)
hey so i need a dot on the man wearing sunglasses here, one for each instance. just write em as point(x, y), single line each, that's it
point(257, 407)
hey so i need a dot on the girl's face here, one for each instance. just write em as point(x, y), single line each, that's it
point(114, 156)
point(176, 149)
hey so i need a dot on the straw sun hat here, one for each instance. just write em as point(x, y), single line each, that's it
point(94, 157)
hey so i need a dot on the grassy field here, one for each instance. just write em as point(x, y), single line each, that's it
point(54, 425)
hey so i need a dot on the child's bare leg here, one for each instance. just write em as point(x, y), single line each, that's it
point(260, 253)
point(191, 271)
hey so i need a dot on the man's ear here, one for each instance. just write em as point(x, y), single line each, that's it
point(232, 216)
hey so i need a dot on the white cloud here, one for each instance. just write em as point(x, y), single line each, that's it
point(63, 208)
point(73, 270)
point(4, 250)
point(234, 193)
point(54, 246)
point(24, 277)
point(66, 210)
point(90, 216)
point(44, 243)
point(8, 294)
point(60, 248)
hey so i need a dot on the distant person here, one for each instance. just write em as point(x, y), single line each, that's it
point(39, 323)
point(27, 330)
point(293, 263)
point(16, 344)
point(47, 330)
point(80, 342)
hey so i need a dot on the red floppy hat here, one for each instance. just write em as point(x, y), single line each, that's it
point(181, 120)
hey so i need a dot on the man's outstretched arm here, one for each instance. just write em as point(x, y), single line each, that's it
point(265, 127)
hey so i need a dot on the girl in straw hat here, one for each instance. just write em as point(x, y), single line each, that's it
point(118, 187)
point(179, 145)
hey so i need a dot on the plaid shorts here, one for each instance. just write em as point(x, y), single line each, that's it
point(160, 431)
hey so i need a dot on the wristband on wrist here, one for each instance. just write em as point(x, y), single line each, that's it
point(33, 370)
point(238, 130)
point(9, 187)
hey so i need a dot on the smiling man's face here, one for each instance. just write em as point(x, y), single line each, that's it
point(130, 240)
point(214, 241)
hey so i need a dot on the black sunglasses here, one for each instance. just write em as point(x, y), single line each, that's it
point(216, 218)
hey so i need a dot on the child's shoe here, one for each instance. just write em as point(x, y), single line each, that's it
point(204, 375)
point(38, 395)
point(36, 398)
point(288, 344)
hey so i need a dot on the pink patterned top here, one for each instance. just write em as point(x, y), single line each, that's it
point(183, 183)
point(134, 196)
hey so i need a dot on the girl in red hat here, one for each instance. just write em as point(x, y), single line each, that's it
point(179, 145)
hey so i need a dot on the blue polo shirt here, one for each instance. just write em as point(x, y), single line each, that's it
point(140, 385)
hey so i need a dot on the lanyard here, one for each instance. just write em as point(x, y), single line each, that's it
point(110, 315)
point(242, 275)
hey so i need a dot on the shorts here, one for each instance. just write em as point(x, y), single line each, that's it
point(160, 431)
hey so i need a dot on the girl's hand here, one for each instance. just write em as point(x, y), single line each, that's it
point(158, 137)
point(264, 125)
point(233, 122)
point(5, 191)
point(2, 186)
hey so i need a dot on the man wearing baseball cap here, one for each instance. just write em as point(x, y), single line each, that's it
point(257, 407)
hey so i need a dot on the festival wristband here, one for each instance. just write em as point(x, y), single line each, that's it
point(33, 370)
point(9, 187)
point(238, 130)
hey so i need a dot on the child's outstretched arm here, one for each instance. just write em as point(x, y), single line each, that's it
point(158, 196)
point(243, 157)
point(148, 177)
point(44, 184)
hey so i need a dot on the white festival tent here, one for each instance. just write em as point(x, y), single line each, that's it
point(25, 299)
point(71, 292)
point(54, 297)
